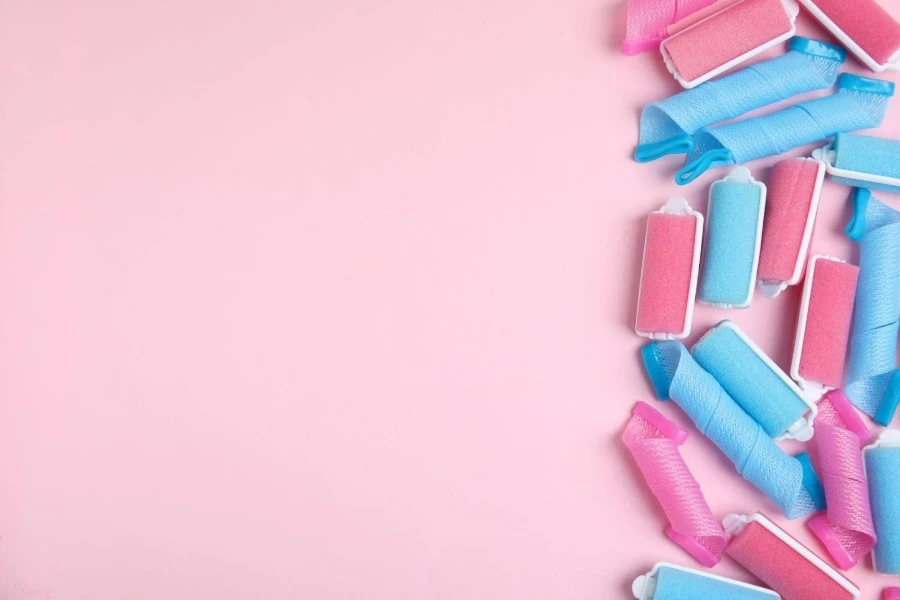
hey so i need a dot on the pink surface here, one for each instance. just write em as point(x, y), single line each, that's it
point(828, 322)
point(666, 272)
point(729, 34)
point(866, 23)
point(335, 300)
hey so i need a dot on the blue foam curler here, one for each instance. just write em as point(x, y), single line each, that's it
point(671, 582)
point(755, 456)
point(862, 160)
point(882, 461)
point(734, 222)
point(755, 382)
point(667, 126)
point(873, 380)
point(859, 103)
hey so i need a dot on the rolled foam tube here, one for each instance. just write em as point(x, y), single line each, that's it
point(882, 461)
point(862, 160)
point(653, 441)
point(672, 582)
point(755, 382)
point(669, 271)
point(859, 103)
point(783, 563)
point(667, 127)
point(846, 529)
point(734, 222)
point(864, 27)
point(728, 38)
point(873, 384)
point(698, 15)
point(891, 593)
point(647, 21)
point(792, 203)
point(783, 478)
point(823, 326)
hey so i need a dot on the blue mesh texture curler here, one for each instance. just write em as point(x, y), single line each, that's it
point(667, 127)
point(859, 103)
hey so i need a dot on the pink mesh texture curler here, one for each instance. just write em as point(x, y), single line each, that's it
point(653, 441)
point(648, 20)
point(845, 529)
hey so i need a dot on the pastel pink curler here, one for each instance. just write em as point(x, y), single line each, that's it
point(891, 593)
point(698, 15)
point(647, 21)
point(846, 528)
point(863, 27)
point(653, 441)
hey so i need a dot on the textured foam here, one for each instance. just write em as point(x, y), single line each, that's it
point(781, 567)
point(666, 273)
point(892, 593)
point(824, 349)
point(726, 35)
point(729, 257)
point(758, 389)
point(647, 21)
point(788, 204)
point(867, 155)
point(883, 467)
point(867, 24)
point(740, 438)
point(675, 584)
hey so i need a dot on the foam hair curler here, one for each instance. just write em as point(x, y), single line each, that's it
point(788, 482)
point(862, 160)
point(873, 384)
point(727, 38)
point(795, 186)
point(669, 271)
point(734, 222)
point(846, 529)
point(783, 563)
point(864, 27)
point(755, 382)
point(859, 103)
point(823, 327)
point(667, 127)
point(698, 15)
point(647, 21)
point(653, 441)
point(882, 460)
point(671, 582)
point(891, 593)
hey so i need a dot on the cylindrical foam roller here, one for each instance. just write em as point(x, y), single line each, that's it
point(883, 470)
point(734, 223)
point(669, 271)
point(823, 330)
point(864, 160)
point(866, 23)
point(647, 21)
point(677, 583)
point(735, 33)
point(792, 202)
point(752, 379)
point(794, 574)
point(891, 593)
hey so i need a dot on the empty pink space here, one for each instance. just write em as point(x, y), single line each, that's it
point(334, 300)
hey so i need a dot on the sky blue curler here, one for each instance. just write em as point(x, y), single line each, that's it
point(790, 483)
point(862, 161)
point(667, 127)
point(859, 103)
point(873, 379)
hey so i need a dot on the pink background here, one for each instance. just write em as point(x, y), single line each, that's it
point(333, 300)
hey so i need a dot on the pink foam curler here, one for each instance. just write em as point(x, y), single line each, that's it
point(891, 593)
point(648, 20)
point(653, 441)
point(698, 15)
point(845, 529)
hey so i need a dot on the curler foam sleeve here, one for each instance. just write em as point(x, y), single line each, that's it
point(734, 223)
point(872, 381)
point(755, 382)
point(653, 441)
point(647, 21)
point(892, 593)
point(823, 327)
point(795, 186)
point(784, 479)
point(882, 467)
point(846, 529)
point(728, 38)
point(671, 582)
point(668, 126)
point(783, 563)
point(859, 103)
point(864, 27)
point(862, 160)
point(669, 271)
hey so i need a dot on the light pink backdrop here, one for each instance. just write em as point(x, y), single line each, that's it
point(332, 300)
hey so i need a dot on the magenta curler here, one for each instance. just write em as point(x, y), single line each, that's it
point(891, 593)
point(653, 441)
point(845, 528)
